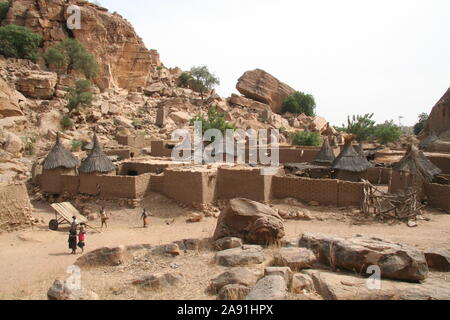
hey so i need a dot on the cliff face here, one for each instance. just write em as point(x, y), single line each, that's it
point(439, 120)
point(124, 60)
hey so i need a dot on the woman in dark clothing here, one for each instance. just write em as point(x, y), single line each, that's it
point(73, 240)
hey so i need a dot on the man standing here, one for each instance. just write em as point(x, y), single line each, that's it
point(144, 217)
point(104, 218)
point(74, 224)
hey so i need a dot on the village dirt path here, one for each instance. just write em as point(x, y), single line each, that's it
point(31, 260)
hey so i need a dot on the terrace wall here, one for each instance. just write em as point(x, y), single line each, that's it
point(438, 196)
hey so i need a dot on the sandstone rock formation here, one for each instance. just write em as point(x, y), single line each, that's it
point(123, 58)
point(103, 257)
point(251, 221)
point(244, 256)
point(272, 287)
point(263, 87)
point(9, 102)
point(38, 84)
point(239, 276)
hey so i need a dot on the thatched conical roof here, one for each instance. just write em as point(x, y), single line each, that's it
point(350, 160)
point(326, 154)
point(415, 162)
point(60, 157)
point(97, 161)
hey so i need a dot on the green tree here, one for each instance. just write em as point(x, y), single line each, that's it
point(185, 79)
point(214, 120)
point(361, 126)
point(419, 126)
point(69, 55)
point(202, 80)
point(4, 8)
point(19, 42)
point(80, 95)
point(306, 138)
point(298, 103)
point(387, 132)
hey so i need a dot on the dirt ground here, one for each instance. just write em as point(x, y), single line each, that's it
point(31, 260)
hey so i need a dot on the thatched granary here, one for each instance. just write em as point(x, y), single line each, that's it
point(350, 165)
point(413, 171)
point(59, 161)
point(326, 156)
point(97, 161)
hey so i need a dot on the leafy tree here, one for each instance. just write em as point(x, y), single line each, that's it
point(19, 42)
point(214, 120)
point(306, 138)
point(202, 80)
point(80, 95)
point(4, 8)
point(362, 127)
point(419, 126)
point(69, 55)
point(185, 79)
point(298, 103)
point(387, 132)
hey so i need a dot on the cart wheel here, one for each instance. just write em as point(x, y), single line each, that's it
point(53, 224)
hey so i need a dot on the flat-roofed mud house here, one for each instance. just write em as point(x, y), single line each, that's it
point(350, 165)
point(58, 162)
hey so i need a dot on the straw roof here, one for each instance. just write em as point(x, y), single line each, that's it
point(350, 160)
point(60, 157)
point(97, 161)
point(415, 162)
point(326, 154)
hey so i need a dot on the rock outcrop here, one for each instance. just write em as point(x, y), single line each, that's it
point(263, 87)
point(38, 84)
point(123, 58)
point(9, 102)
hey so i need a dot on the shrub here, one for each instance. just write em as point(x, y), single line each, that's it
point(19, 42)
point(80, 95)
point(202, 80)
point(387, 132)
point(298, 103)
point(66, 122)
point(214, 120)
point(4, 8)
point(419, 126)
point(184, 79)
point(76, 145)
point(69, 55)
point(362, 127)
point(305, 138)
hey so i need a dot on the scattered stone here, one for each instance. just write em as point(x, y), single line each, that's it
point(236, 276)
point(233, 292)
point(269, 288)
point(160, 280)
point(61, 290)
point(397, 261)
point(285, 272)
point(246, 255)
point(194, 218)
point(169, 249)
point(295, 258)
point(228, 243)
point(302, 282)
point(438, 259)
point(412, 224)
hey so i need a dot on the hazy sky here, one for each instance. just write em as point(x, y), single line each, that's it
point(391, 58)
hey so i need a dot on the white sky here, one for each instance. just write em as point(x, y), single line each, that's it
point(391, 58)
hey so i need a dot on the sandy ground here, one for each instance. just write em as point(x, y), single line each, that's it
point(31, 260)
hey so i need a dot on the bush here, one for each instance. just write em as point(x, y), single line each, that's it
point(362, 127)
point(202, 80)
point(80, 95)
point(419, 126)
point(184, 79)
point(19, 42)
point(214, 120)
point(387, 132)
point(4, 8)
point(305, 138)
point(298, 103)
point(69, 55)
point(76, 145)
point(66, 122)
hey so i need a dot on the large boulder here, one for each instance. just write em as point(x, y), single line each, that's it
point(248, 103)
point(251, 221)
point(38, 84)
point(61, 290)
point(247, 255)
point(263, 87)
point(236, 276)
point(104, 257)
point(295, 258)
point(269, 288)
point(160, 280)
point(438, 259)
point(9, 102)
point(357, 254)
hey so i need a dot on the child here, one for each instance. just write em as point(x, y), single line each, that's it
point(81, 238)
point(104, 217)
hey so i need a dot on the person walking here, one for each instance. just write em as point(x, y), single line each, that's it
point(74, 224)
point(73, 240)
point(81, 238)
point(104, 217)
point(144, 217)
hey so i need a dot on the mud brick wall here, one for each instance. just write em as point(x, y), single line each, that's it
point(324, 191)
point(298, 155)
point(132, 141)
point(245, 183)
point(124, 187)
point(70, 184)
point(157, 183)
point(121, 153)
point(379, 175)
point(190, 186)
point(15, 206)
point(400, 182)
point(438, 196)
point(51, 182)
point(90, 184)
point(350, 193)
point(442, 162)
point(160, 149)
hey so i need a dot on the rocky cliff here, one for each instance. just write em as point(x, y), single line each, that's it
point(124, 60)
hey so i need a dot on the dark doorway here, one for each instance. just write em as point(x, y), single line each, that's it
point(132, 173)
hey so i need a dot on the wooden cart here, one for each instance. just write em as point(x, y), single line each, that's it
point(64, 213)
